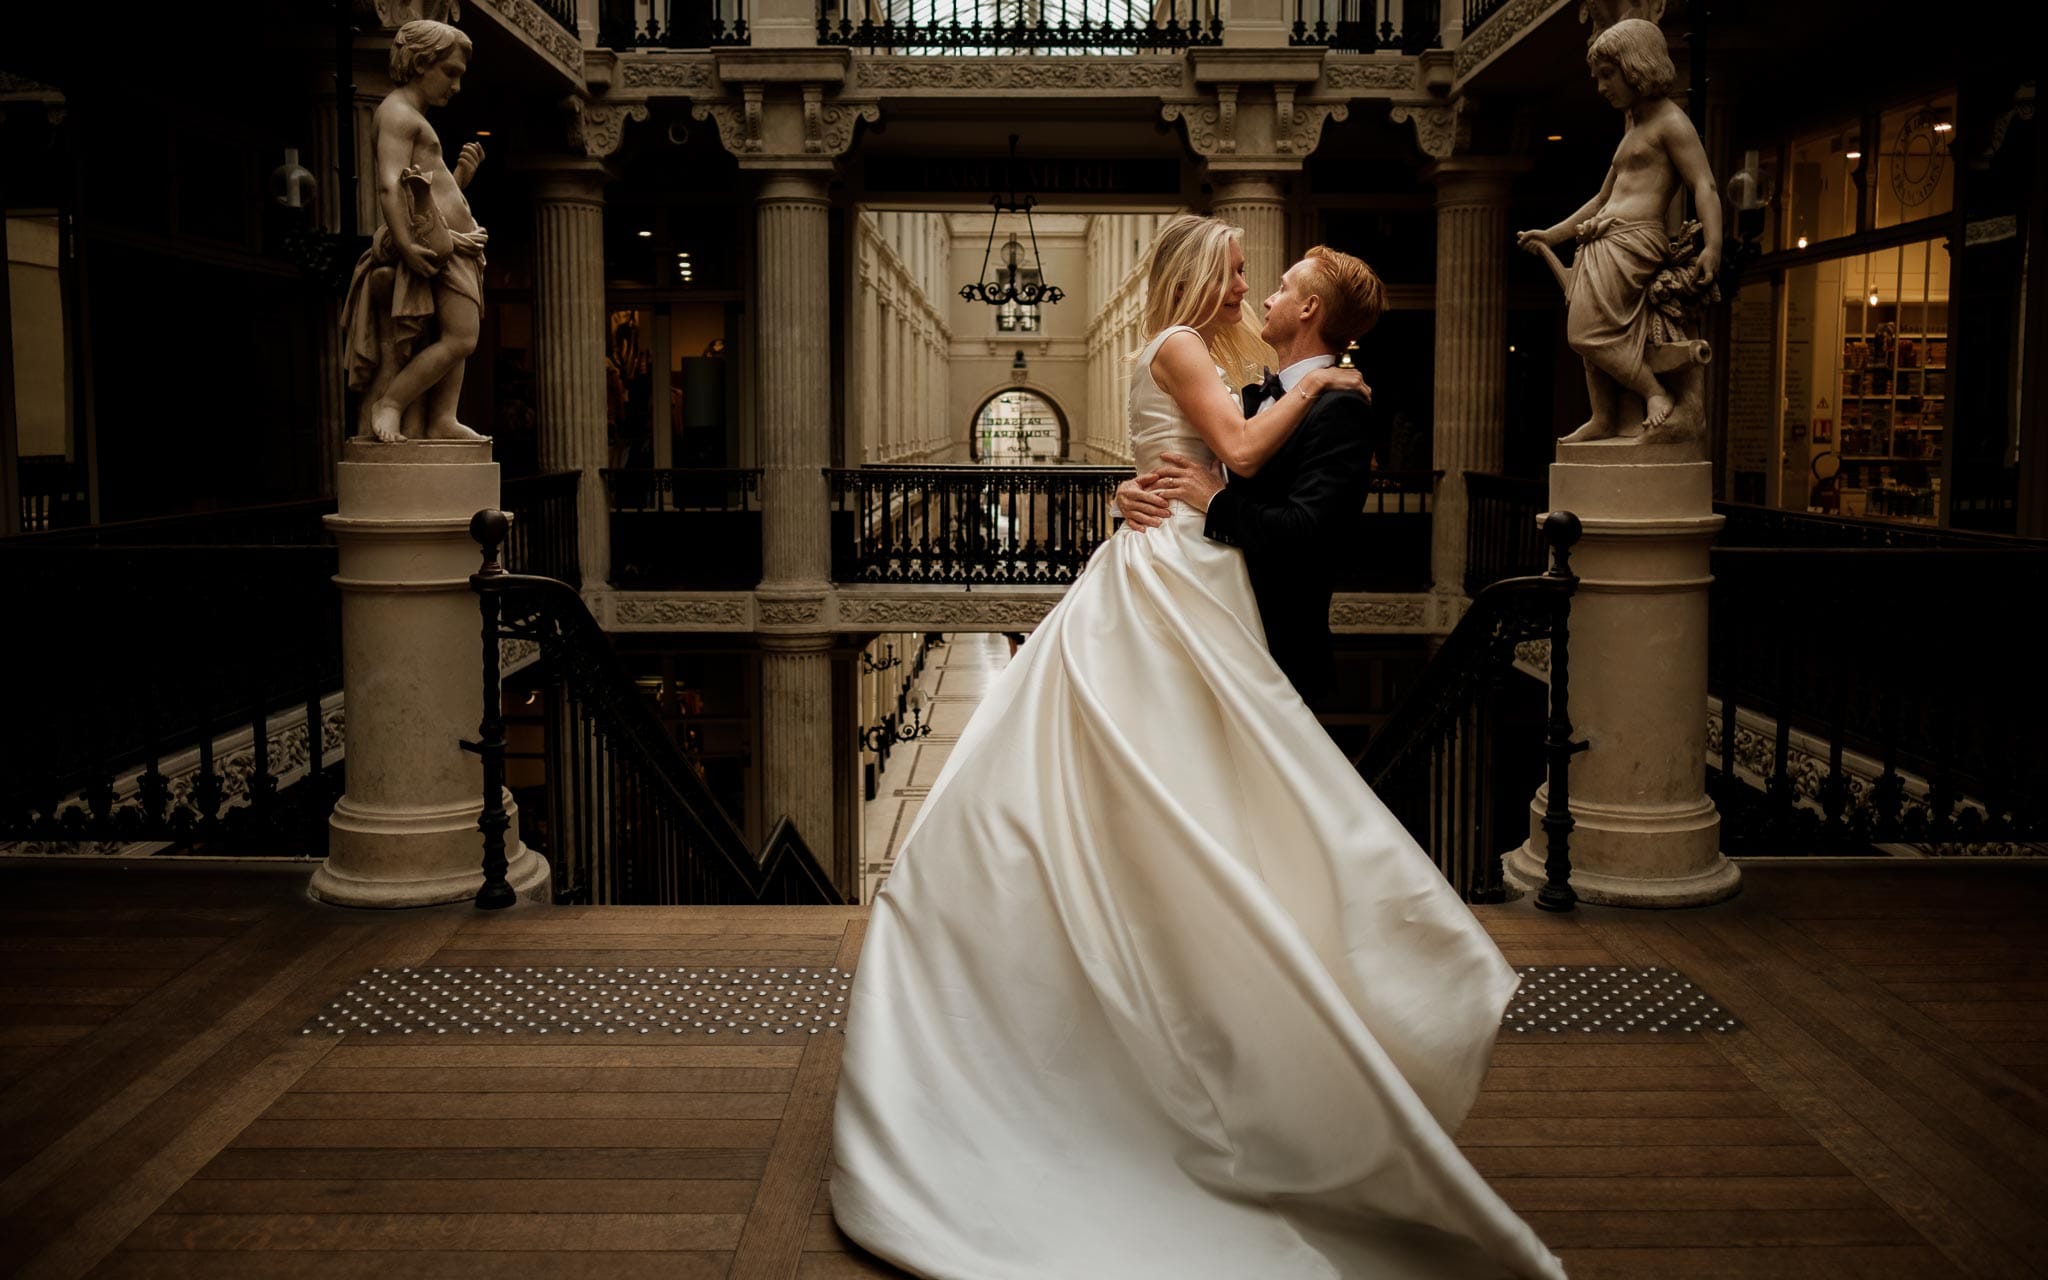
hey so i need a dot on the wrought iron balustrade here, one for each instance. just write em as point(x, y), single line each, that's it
point(968, 524)
point(1501, 537)
point(628, 819)
point(672, 24)
point(1436, 762)
point(685, 527)
point(1878, 682)
point(1478, 11)
point(1363, 26)
point(1878, 695)
point(1066, 27)
point(545, 539)
point(185, 671)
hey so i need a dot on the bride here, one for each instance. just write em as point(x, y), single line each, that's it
point(1157, 987)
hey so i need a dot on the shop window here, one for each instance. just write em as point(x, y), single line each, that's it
point(679, 411)
point(1865, 406)
point(42, 378)
point(1821, 186)
point(1915, 178)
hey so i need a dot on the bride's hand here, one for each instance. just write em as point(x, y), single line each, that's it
point(1334, 379)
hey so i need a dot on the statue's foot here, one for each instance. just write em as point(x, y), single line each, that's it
point(1593, 429)
point(384, 421)
point(453, 430)
point(1656, 410)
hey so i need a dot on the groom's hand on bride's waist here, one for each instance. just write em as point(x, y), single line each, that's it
point(1141, 508)
point(1188, 481)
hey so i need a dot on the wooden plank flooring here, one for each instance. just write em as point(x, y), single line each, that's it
point(1880, 1112)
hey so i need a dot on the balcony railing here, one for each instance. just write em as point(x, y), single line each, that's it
point(562, 11)
point(1068, 27)
point(969, 525)
point(1393, 535)
point(1893, 669)
point(1478, 11)
point(688, 528)
point(673, 24)
point(1363, 26)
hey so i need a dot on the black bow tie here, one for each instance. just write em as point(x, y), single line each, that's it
point(1268, 388)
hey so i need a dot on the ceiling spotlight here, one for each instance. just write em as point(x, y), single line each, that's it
point(1852, 155)
point(1555, 137)
point(1942, 126)
point(647, 235)
point(1802, 242)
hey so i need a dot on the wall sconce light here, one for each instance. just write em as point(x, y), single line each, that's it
point(1018, 369)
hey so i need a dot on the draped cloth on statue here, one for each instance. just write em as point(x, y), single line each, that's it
point(1609, 315)
point(390, 305)
point(1157, 987)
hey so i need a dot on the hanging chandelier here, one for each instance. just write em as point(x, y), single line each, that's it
point(1013, 285)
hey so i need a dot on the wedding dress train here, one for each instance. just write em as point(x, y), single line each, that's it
point(1157, 987)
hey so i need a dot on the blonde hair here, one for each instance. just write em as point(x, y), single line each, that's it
point(1638, 50)
point(420, 44)
point(1187, 275)
point(1350, 292)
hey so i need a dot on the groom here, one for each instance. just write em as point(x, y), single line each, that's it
point(1296, 516)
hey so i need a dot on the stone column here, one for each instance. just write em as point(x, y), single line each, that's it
point(1646, 834)
point(1470, 407)
point(1256, 201)
point(405, 834)
point(568, 343)
point(794, 428)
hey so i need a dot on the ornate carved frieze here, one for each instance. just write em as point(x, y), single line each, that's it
point(1533, 656)
point(636, 610)
point(599, 127)
point(1440, 129)
point(654, 72)
point(1379, 73)
point(789, 611)
point(1212, 129)
point(1499, 31)
point(983, 75)
point(526, 17)
point(966, 610)
point(1380, 613)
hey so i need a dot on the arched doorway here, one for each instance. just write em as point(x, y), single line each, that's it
point(1016, 426)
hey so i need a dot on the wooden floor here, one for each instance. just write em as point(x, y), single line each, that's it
point(1881, 1112)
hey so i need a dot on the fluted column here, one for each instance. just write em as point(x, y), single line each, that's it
point(568, 342)
point(794, 322)
point(1470, 407)
point(1256, 202)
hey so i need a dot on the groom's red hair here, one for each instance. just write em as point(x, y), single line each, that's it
point(1352, 296)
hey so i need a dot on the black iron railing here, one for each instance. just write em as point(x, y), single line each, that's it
point(1878, 695)
point(185, 669)
point(1436, 760)
point(1363, 26)
point(1878, 683)
point(673, 24)
point(1478, 11)
point(628, 818)
point(1392, 552)
point(562, 11)
point(544, 539)
point(969, 524)
point(685, 527)
point(1501, 535)
point(1074, 27)
point(136, 668)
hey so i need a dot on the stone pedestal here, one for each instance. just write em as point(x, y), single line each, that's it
point(1646, 834)
point(405, 834)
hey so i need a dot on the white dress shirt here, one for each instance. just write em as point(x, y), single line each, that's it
point(1294, 373)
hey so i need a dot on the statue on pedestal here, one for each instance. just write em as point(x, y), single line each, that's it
point(415, 304)
point(1637, 291)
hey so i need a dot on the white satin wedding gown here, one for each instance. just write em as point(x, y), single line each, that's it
point(1157, 987)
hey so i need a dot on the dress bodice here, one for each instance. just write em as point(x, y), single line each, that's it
point(1157, 424)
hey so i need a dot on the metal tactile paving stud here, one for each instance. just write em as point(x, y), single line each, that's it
point(1612, 998)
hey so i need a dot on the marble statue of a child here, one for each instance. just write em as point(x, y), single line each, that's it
point(1621, 326)
point(415, 304)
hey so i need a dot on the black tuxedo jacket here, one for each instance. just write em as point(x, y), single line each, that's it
point(1294, 519)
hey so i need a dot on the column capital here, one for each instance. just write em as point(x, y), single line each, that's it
point(1260, 127)
point(1475, 179)
point(565, 179)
